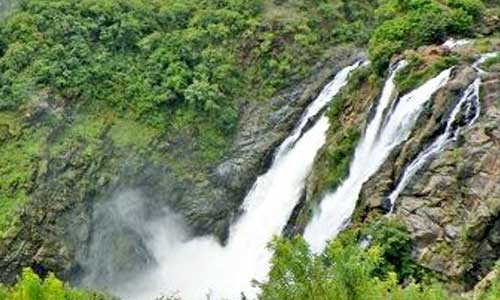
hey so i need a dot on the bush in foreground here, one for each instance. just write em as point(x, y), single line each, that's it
point(346, 270)
point(31, 287)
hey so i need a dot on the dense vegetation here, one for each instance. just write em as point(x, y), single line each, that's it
point(31, 287)
point(409, 24)
point(372, 261)
point(158, 59)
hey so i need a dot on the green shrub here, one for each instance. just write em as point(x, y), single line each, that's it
point(471, 7)
point(31, 287)
point(409, 24)
point(396, 247)
point(460, 22)
point(339, 158)
point(345, 271)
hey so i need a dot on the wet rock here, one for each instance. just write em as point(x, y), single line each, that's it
point(228, 175)
point(435, 214)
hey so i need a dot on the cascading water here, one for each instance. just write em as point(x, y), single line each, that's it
point(469, 102)
point(380, 138)
point(315, 108)
point(469, 107)
point(199, 267)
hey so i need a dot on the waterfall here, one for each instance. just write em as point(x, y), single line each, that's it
point(380, 138)
point(469, 107)
point(469, 102)
point(201, 268)
point(316, 107)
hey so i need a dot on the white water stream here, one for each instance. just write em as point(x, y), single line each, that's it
point(469, 106)
point(469, 102)
point(381, 136)
point(201, 268)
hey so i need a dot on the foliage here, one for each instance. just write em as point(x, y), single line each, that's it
point(345, 271)
point(18, 164)
point(31, 287)
point(493, 291)
point(151, 58)
point(120, 53)
point(409, 24)
point(471, 7)
point(396, 247)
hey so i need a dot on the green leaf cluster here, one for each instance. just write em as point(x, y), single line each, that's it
point(346, 270)
point(151, 59)
point(410, 24)
point(31, 287)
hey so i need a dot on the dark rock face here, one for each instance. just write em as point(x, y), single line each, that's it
point(64, 216)
point(452, 206)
